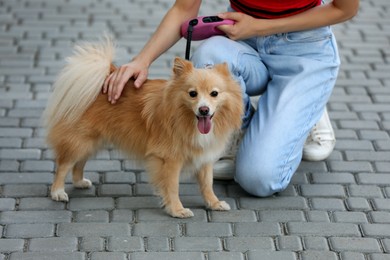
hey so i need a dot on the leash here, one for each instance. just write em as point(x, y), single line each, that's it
point(190, 29)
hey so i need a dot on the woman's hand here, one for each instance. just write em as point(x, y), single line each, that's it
point(117, 80)
point(245, 26)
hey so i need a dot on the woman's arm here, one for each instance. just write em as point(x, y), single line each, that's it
point(165, 36)
point(331, 13)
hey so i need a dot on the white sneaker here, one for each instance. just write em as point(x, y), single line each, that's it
point(225, 167)
point(321, 140)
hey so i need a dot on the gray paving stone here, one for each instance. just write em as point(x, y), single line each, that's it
point(382, 166)
point(376, 230)
point(40, 204)
point(315, 244)
point(48, 256)
point(10, 142)
point(273, 203)
point(327, 204)
point(103, 165)
point(7, 204)
point(14, 132)
point(27, 178)
point(243, 244)
point(337, 178)
point(386, 245)
point(289, 243)
point(19, 217)
point(203, 244)
point(208, 229)
point(36, 166)
point(91, 244)
point(122, 215)
point(233, 216)
point(138, 202)
point(352, 256)
point(115, 190)
point(257, 229)
point(53, 244)
point(167, 256)
point(9, 165)
point(366, 191)
point(29, 230)
point(323, 229)
point(317, 216)
point(165, 229)
point(225, 256)
point(25, 190)
point(344, 166)
point(20, 154)
point(125, 244)
point(379, 256)
point(350, 217)
point(99, 216)
point(281, 215)
point(157, 244)
point(11, 245)
point(108, 255)
point(354, 145)
point(93, 229)
point(319, 255)
point(364, 156)
point(366, 245)
point(376, 179)
point(380, 216)
point(322, 190)
point(271, 255)
point(119, 177)
point(91, 203)
point(358, 204)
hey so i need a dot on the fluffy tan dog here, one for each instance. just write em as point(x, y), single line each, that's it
point(176, 124)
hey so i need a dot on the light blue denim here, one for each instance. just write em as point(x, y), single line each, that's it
point(295, 74)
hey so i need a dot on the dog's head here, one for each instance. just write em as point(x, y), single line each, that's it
point(211, 95)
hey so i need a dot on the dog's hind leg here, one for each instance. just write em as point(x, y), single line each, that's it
point(78, 175)
point(165, 175)
point(205, 180)
point(71, 155)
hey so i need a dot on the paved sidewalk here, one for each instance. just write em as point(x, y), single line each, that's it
point(336, 209)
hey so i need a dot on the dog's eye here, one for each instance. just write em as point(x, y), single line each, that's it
point(214, 93)
point(193, 93)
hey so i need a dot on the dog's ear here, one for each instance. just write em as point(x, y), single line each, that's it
point(223, 68)
point(181, 66)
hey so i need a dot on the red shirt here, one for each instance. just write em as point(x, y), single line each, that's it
point(273, 9)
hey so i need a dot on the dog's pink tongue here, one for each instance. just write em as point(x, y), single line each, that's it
point(204, 124)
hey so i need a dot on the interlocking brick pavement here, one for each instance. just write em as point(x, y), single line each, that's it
point(336, 209)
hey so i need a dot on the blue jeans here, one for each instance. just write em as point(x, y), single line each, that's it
point(295, 74)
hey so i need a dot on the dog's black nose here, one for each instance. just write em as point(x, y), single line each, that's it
point(204, 111)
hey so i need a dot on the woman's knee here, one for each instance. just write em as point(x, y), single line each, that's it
point(214, 50)
point(263, 178)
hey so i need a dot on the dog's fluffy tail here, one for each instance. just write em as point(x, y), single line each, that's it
point(80, 81)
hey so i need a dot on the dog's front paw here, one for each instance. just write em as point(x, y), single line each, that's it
point(182, 213)
point(59, 195)
point(82, 184)
point(220, 205)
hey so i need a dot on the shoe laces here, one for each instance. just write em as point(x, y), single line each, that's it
point(319, 135)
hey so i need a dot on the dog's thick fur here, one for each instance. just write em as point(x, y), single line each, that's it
point(165, 122)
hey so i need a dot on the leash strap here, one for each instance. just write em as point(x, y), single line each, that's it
point(190, 29)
